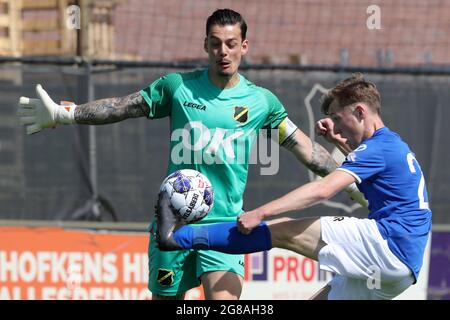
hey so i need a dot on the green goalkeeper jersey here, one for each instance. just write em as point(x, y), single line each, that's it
point(213, 130)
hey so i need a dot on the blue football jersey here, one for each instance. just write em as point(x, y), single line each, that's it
point(391, 179)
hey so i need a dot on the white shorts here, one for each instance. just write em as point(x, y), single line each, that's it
point(364, 265)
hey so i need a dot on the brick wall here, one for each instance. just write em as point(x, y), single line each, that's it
point(288, 31)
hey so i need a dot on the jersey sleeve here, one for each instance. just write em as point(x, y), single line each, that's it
point(364, 162)
point(159, 95)
point(277, 111)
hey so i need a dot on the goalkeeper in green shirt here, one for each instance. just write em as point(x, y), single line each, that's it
point(215, 114)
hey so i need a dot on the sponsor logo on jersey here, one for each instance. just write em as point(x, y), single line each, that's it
point(199, 144)
point(165, 277)
point(351, 157)
point(194, 106)
point(361, 147)
point(241, 114)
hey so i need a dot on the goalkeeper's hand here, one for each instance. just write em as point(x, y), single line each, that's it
point(38, 114)
point(357, 195)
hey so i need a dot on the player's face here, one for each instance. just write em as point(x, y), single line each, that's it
point(225, 49)
point(347, 123)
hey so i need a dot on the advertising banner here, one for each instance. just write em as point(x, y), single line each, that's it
point(281, 274)
point(54, 263)
point(60, 264)
point(439, 279)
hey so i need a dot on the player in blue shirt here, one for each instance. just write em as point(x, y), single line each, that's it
point(374, 258)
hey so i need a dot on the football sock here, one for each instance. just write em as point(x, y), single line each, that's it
point(224, 237)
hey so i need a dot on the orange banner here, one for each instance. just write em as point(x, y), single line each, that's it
point(54, 263)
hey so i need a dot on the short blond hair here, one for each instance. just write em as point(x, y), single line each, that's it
point(352, 90)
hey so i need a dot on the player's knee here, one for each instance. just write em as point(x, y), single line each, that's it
point(281, 236)
point(299, 235)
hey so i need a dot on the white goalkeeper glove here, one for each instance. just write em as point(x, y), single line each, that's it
point(357, 195)
point(38, 114)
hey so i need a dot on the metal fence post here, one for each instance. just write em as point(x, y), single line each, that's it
point(93, 174)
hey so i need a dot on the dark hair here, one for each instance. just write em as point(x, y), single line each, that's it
point(352, 90)
point(224, 17)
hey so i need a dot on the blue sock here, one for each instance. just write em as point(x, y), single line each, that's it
point(224, 237)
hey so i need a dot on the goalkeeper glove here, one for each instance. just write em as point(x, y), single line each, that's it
point(38, 114)
point(357, 195)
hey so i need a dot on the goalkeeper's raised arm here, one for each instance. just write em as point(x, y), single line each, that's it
point(43, 112)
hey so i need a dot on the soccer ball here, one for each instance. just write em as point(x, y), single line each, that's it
point(191, 194)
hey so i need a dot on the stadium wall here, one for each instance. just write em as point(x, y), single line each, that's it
point(412, 32)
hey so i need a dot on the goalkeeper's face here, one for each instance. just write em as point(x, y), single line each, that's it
point(225, 49)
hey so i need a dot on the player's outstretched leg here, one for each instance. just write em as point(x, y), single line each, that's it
point(166, 224)
point(171, 234)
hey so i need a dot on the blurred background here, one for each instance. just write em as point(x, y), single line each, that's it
point(107, 177)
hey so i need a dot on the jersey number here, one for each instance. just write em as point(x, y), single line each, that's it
point(421, 190)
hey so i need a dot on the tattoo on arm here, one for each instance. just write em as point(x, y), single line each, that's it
point(321, 161)
point(290, 142)
point(112, 110)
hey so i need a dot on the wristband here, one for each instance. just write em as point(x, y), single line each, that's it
point(66, 113)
